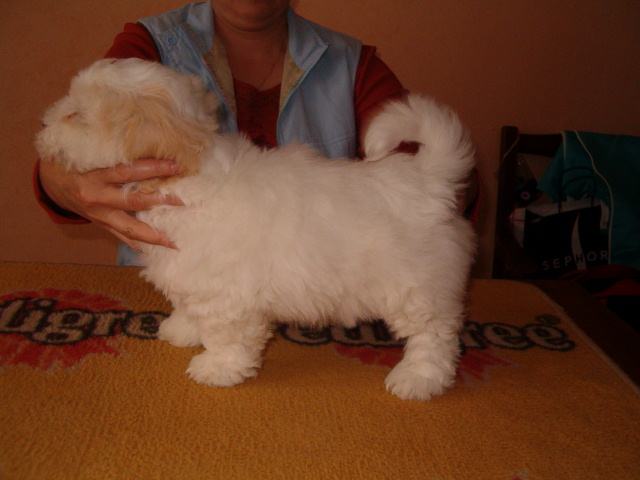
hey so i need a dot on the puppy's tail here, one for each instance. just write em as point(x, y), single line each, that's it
point(445, 152)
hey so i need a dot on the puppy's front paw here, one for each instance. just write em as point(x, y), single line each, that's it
point(221, 370)
point(179, 331)
point(408, 383)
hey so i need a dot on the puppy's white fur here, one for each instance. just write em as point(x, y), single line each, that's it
point(284, 234)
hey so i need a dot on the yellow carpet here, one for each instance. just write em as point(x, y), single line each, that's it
point(86, 392)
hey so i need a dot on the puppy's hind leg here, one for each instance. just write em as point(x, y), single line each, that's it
point(233, 351)
point(430, 359)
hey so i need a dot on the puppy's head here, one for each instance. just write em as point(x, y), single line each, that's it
point(117, 111)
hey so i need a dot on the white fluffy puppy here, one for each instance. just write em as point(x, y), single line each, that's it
point(284, 234)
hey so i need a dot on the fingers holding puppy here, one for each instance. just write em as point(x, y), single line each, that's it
point(98, 196)
point(139, 171)
point(132, 231)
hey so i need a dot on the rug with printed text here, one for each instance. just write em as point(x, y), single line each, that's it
point(88, 392)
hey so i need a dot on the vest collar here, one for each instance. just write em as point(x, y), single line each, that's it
point(305, 45)
point(304, 50)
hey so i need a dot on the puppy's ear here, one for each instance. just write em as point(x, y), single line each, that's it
point(153, 128)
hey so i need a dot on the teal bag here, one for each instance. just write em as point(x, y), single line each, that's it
point(615, 162)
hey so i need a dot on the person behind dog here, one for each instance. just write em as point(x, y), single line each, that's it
point(279, 77)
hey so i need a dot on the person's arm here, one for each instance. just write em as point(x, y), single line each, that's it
point(375, 85)
point(134, 42)
point(96, 196)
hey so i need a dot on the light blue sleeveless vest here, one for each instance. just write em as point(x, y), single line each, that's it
point(318, 104)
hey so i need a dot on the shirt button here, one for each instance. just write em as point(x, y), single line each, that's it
point(171, 41)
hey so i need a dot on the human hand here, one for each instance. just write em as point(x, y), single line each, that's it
point(97, 196)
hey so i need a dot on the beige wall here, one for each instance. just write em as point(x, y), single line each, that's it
point(544, 65)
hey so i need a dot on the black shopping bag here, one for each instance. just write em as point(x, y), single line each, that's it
point(565, 237)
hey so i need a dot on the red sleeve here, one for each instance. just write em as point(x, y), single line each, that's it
point(133, 42)
point(375, 85)
point(57, 213)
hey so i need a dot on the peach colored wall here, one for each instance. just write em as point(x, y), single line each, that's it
point(544, 65)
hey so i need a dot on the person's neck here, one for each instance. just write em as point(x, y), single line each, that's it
point(255, 54)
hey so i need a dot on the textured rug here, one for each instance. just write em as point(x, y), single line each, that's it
point(87, 392)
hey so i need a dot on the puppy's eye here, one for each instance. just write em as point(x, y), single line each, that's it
point(71, 116)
